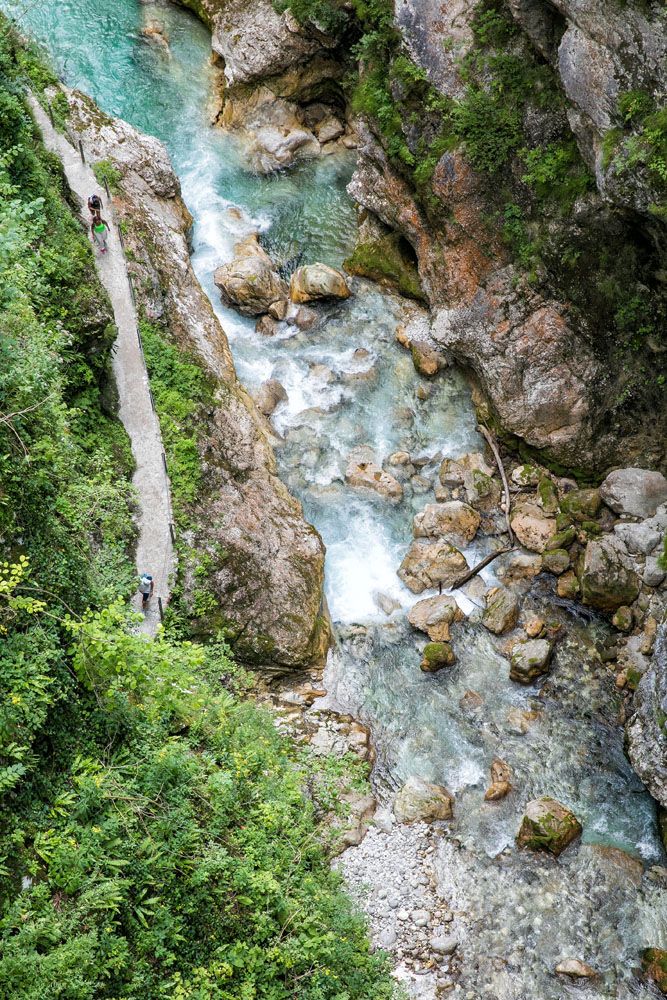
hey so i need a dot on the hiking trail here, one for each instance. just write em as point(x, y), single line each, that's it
point(155, 551)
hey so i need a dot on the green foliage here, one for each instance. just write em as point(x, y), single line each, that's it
point(326, 15)
point(490, 128)
point(180, 389)
point(634, 104)
point(385, 260)
point(171, 852)
point(104, 170)
point(556, 170)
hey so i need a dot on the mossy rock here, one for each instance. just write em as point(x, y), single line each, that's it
point(556, 561)
point(548, 825)
point(562, 539)
point(548, 498)
point(654, 965)
point(581, 505)
point(437, 655)
point(388, 261)
point(622, 619)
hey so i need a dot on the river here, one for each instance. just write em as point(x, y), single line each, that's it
point(350, 383)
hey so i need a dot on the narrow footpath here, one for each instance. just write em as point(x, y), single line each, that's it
point(155, 551)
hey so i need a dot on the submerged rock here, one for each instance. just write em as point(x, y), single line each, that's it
point(502, 611)
point(269, 394)
point(437, 655)
point(530, 660)
point(421, 801)
point(428, 564)
point(453, 518)
point(638, 492)
point(575, 969)
point(318, 281)
point(548, 825)
point(434, 615)
point(426, 359)
point(608, 579)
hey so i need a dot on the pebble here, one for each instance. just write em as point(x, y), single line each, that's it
point(444, 945)
point(387, 938)
point(403, 915)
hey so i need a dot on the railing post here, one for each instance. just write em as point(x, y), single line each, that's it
point(83, 158)
point(106, 188)
point(160, 608)
point(172, 531)
point(53, 124)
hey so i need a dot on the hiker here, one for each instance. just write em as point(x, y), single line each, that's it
point(94, 204)
point(146, 589)
point(99, 228)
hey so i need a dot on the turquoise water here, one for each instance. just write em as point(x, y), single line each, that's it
point(574, 750)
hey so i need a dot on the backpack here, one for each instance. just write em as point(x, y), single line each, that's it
point(145, 584)
point(95, 201)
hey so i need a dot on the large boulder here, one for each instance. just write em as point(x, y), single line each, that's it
point(318, 281)
point(502, 611)
point(428, 564)
point(530, 660)
point(453, 519)
point(364, 472)
point(608, 579)
point(421, 801)
point(250, 282)
point(434, 615)
point(548, 825)
point(638, 492)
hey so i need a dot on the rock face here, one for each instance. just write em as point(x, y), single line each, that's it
point(318, 281)
point(530, 660)
point(646, 736)
point(428, 564)
point(455, 520)
point(638, 492)
point(420, 801)
point(548, 825)
point(600, 52)
point(250, 283)
point(608, 579)
point(266, 562)
point(364, 472)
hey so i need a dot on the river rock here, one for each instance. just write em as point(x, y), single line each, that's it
point(608, 579)
point(318, 281)
point(653, 573)
point(444, 944)
point(250, 283)
point(419, 801)
point(556, 561)
point(269, 394)
point(575, 969)
point(568, 585)
point(434, 615)
point(329, 129)
point(519, 568)
point(532, 527)
point(525, 475)
point(500, 781)
point(530, 660)
point(363, 472)
point(426, 359)
point(654, 965)
point(502, 611)
point(273, 147)
point(435, 656)
point(427, 564)
point(582, 505)
point(453, 519)
point(548, 825)
point(638, 492)
point(639, 538)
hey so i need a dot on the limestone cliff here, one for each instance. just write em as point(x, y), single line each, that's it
point(264, 562)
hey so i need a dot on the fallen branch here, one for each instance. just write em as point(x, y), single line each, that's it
point(480, 566)
point(501, 469)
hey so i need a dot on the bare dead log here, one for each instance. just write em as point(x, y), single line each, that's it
point(459, 582)
point(506, 486)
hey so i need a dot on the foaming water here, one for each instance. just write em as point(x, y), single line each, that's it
point(349, 384)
